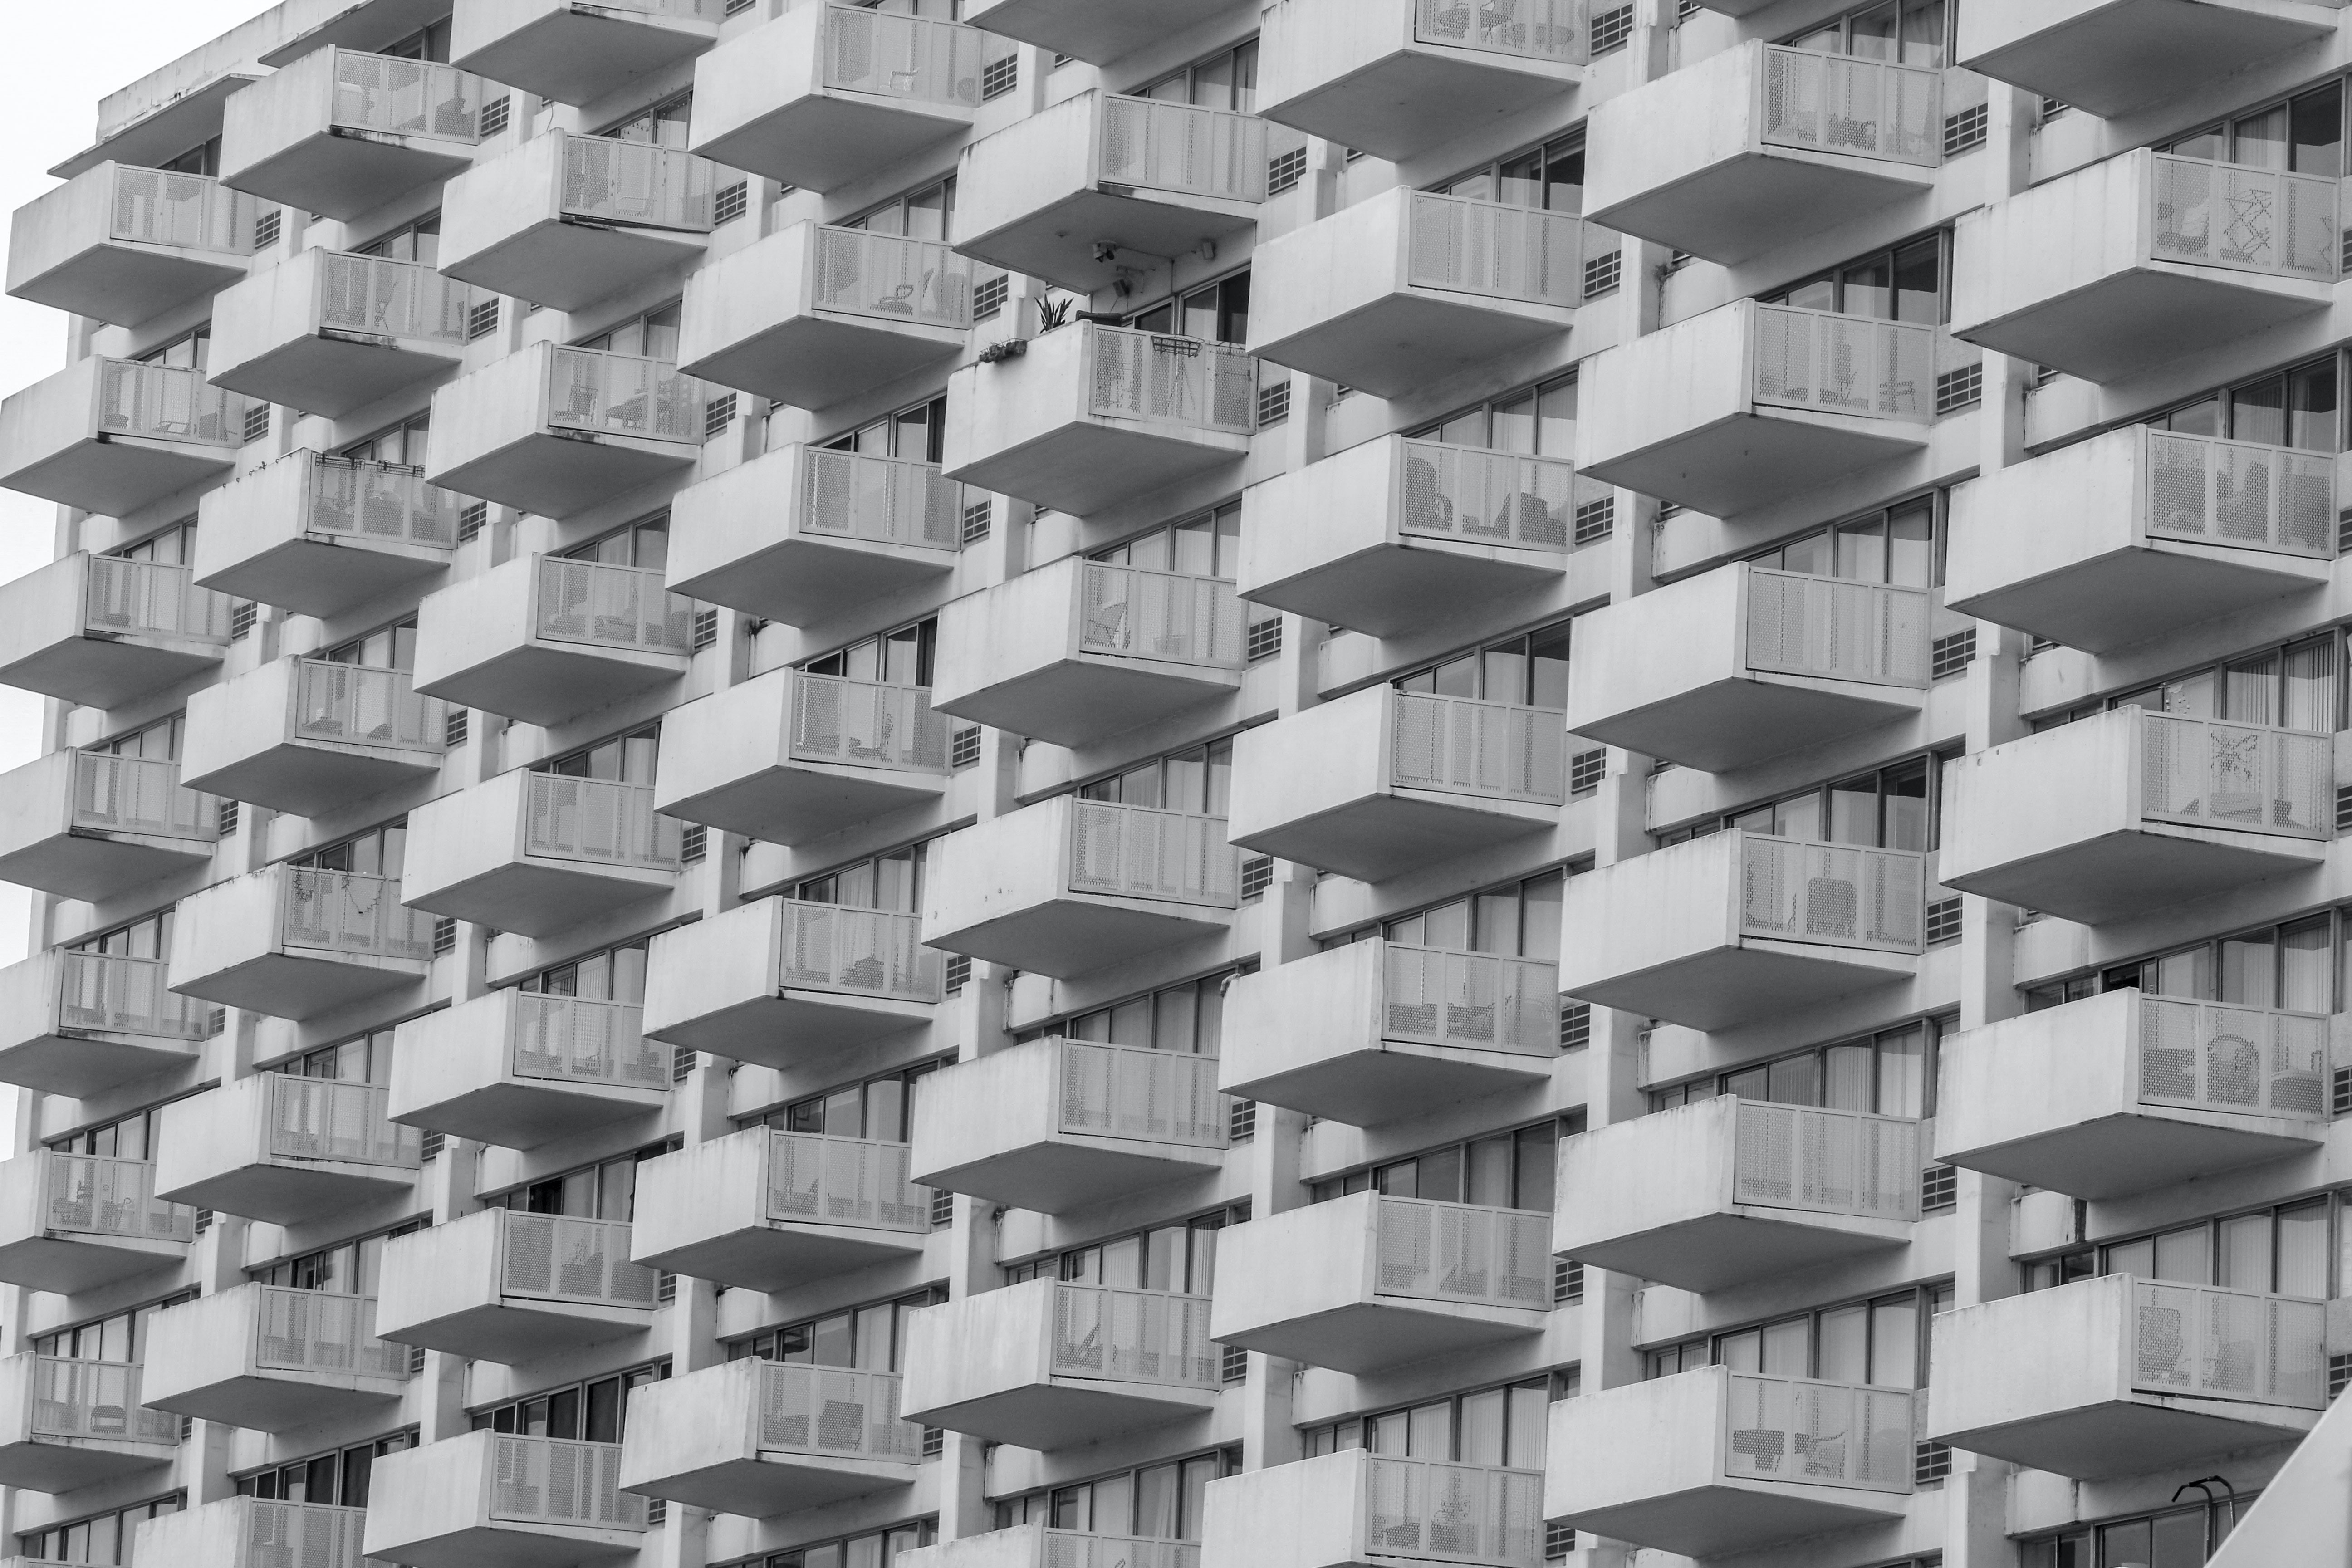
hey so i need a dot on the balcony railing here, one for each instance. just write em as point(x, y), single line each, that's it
point(1464, 746)
point(1875, 634)
point(299, 1536)
point(2208, 1055)
point(1183, 149)
point(157, 402)
point(140, 795)
point(1133, 1336)
point(867, 723)
point(888, 276)
point(98, 1194)
point(1464, 1252)
point(1839, 103)
point(600, 820)
point(1794, 889)
point(1139, 613)
point(380, 296)
point(623, 394)
point(638, 186)
point(1132, 1091)
point(1503, 252)
point(1141, 852)
point(333, 1118)
point(1478, 1000)
point(1809, 1433)
point(607, 605)
point(1533, 29)
point(359, 705)
point(1485, 498)
point(1078, 1549)
point(553, 1480)
point(95, 1399)
point(2244, 220)
point(110, 993)
point(1453, 1512)
point(407, 97)
point(350, 912)
point(558, 1257)
point(192, 211)
point(2247, 777)
point(153, 598)
point(835, 1411)
point(916, 57)
point(890, 500)
point(376, 500)
point(1829, 363)
point(874, 953)
point(573, 1039)
point(1185, 381)
point(819, 1179)
point(2241, 493)
point(314, 1330)
point(2206, 1343)
point(1828, 1162)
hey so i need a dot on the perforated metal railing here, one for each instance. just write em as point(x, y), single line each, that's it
point(1488, 248)
point(1537, 29)
point(1504, 751)
point(1839, 895)
point(1875, 634)
point(624, 394)
point(1137, 611)
point(113, 993)
point(1483, 1001)
point(2208, 1342)
point(140, 795)
point(1463, 1252)
point(1077, 1548)
point(2211, 1056)
point(575, 1040)
point(1485, 498)
point(891, 501)
point(867, 723)
point(838, 1411)
point(98, 1194)
point(158, 402)
point(635, 184)
point(1812, 1433)
point(1141, 852)
point(603, 821)
point(891, 277)
point(561, 1258)
point(1183, 381)
point(553, 1480)
point(863, 953)
point(152, 598)
point(2207, 214)
point(1133, 1336)
point(299, 1536)
point(611, 606)
point(1181, 147)
point(95, 1399)
point(2248, 777)
point(332, 1119)
point(1826, 1162)
point(918, 59)
point(361, 705)
point(2239, 493)
point(1454, 1513)
point(1131, 1091)
point(189, 212)
point(317, 1330)
point(407, 97)
point(822, 1179)
point(1830, 364)
point(378, 296)
point(349, 911)
point(376, 500)
point(1841, 103)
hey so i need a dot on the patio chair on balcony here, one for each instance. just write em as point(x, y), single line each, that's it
point(1831, 907)
point(2233, 1071)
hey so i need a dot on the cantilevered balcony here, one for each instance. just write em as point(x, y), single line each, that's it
point(575, 52)
point(1036, 1546)
point(1356, 1508)
point(1368, 1282)
point(283, 1149)
point(2132, 1091)
point(816, 314)
point(1057, 1124)
point(2123, 1376)
point(272, 1358)
point(306, 735)
point(505, 1285)
point(340, 133)
point(1396, 533)
point(76, 1022)
point(488, 1500)
point(2132, 809)
point(123, 245)
point(1743, 663)
point(544, 638)
point(1047, 196)
point(90, 825)
point(1400, 78)
point(111, 436)
point(1381, 781)
point(782, 982)
point(105, 630)
point(825, 94)
point(799, 534)
point(70, 1223)
point(253, 1533)
point(1067, 886)
point(551, 429)
point(566, 220)
point(1096, 31)
point(1374, 1031)
point(69, 1423)
point(764, 1209)
point(1737, 926)
point(2142, 258)
point(789, 756)
point(1080, 650)
point(762, 1438)
point(538, 853)
point(2106, 58)
point(1729, 1461)
point(291, 941)
point(1046, 1365)
point(519, 1069)
point(319, 535)
point(1749, 403)
point(327, 333)
point(1731, 1190)
point(2140, 531)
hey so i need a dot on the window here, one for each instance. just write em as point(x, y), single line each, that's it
point(663, 125)
point(1518, 919)
point(652, 335)
point(130, 1136)
point(871, 1338)
point(150, 936)
point(378, 852)
point(881, 1109)
point(877, 1549)
point(347, 1268)
point(892, 881)
point(102, 1539)
point(416, 241)
point(1882, 1342)
point(917, 432)
point(1179, 1258)
point(1540, 422)
point(1895, 807)
point(605, 1190)
point(2281, 1251)
point(925, 213)
point(174, 546)
point(204, 158)
point(1908, 32)
point(591, 1411)
point(2175, 1537)
point(901, 657)
point(186, 351)
point(1156, 1502)
point(1500, 1426)
point(121, 1337)
point(1224, 80)
point(401, 445)
point(367, 1060)
point(644, 542)
point(1215, 313)
point(2292, 687)
point(1549, 178)
point(2303, 134)
point(1204, 546)
point(386, 647)
point(1890, 1073)
point(1895, 544)
point(1199, 781)
point(339, 1477)
point(625, 759)
point(1187, 1018)
point(2289, 966)
point(615, 974)
point(1908, 283)
point(430, 42)
point(1529, 670)
point(158, 742)
point(2296, 407)
point(1505, 1171)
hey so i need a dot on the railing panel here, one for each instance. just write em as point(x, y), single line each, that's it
point(2239, 493)
point(95, 1399)
point(835, 1411)
point(193, 212)
point(1875, 634)
point(1503, 252)
point(864, 952)
point(2207, 1342)
point(110, 994)
point(1797, 1430)
point(98, 1194)
point(382, 297)
point(622, 395)
point(1486, 497)
point(1840, 103)
point(891, 501)
point(1139, 852)
point(573, 1039)
point(606, 605)
point(140, 795)
point(1794, 889)
point(2244, 219)
point(869, 724)
point(558, 1257)
point(1128, 1091)
point(334, 1118)
point(636, 185)
point(1463, 1252)
point(821, 1179)
point(1455, 1513)
point(604, 821)
point(891, 277)
point(152, 598)
point(361, 705)
point(553, 1480)
point(1481, 1001)
point(1077, 1549)
point(377, 500)
point(1828, 1162)
point(1497, 749)
point(1830, 364)
point(1135, 611)
point(158, 402)
point(1133, 1336)
point(1536, 30)
point(1185, 381)
point(302, 1536)
point(2247, 777)
point(1182, 148)
point(317, 1331)
point(2213, 1057)
point(346, 911)
point(916, 57)
point(407, 97)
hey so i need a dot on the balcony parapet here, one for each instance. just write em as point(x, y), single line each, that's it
point(1356, 1508)
point(519, 1069)
point(111, 436)
point(760, 1437)
point(764, 1209)
point(70, 1223)
point(494, 1499)
point(565, 220)
point(340, 133)
point(94, 824)
point(253, 1532)
point(272, 1359)
point(124, 245)
point(79, 1022)
point(319, 535)
point(783, 980)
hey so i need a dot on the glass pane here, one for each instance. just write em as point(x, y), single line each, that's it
point(1448, 926)
point(2303, 967)
point(1481, 1428)
point(1547, 668)
point(1853, 812)
point(2257, 411)
point(1787, 1348)
point(1440, 1175)
point(2250, 970)
point(2313, 424)
point(1122, 1263)
point(1514, 425)
point(1556, 419)
point(1902, 1072)
point(1795, 1080)
point(2196, 695)
point(1800, 818)
point(2260, 140)
point(1430, 1431)
point(1540, 908)
point(2303, 1251)
point(1874, 33)
point(2179, 1541)
point(1923, 33)
point(1490, 1172)
point(1847, 1084)
point(2245, 1261)
point(1895, 1343)
point(1741, 1351)
point(1534, 1151)
point(1520, 181)
point(1114, 1505)
point(1810, 555)
point(2183, 1254)
point(1155, 1503)
point(2186, 973)
point(1865, 288)
point(1845, 1345)
point(2202, 418)
point(2134, 1257)
point(1525, 1435)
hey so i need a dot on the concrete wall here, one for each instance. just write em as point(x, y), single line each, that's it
point(1663, 1169)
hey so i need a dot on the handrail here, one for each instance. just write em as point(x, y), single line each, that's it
point(1839, 895)
point(2249, 778)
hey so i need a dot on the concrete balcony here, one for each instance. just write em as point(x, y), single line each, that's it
point(306, 735)
point(566, 220)
point(1749, 403)
point(504, 1286)
point(1745, 663)
point(340, 133)
point(788, 756)
point(1046, 194)
point(1729, 1191)
point(1067, 885)
point(1051, 1365)
point(520, 1068)
point(2139, 532)
point(70, 1223)
point(123, 245)
point(1036, 1546)
point(799, 533)
point(70, 1423)
point(2114, 815)
point(552, 430)
point(106, 631)
point(273, 1358)
point(113, 436)
point(578, 53)
point(1366, 1282)
point(1762, 146)
point(783, 982)
point(283, 1149)
point(760, 1437)
point(2121, 1376)
point(1739, 926)
point(1376, 1031)
point(1096, 31)
point(2108, 58)
point(319, 535)
point(1056, 1124)
point(1380, 782)
point(1084, 417)
point(1360, 1509)
point(252, 1533)
point(826, 95)
point(2142, 258)
point(1079, 651)
point(1395, 533)
point(764, 1209)
point(2133, 1091)
point(79, 1023)
point(1401, 77)
point(90, 825)
point(544, 638)
point(1392, 294)
point(539, 853)
point(487, 1499)
point(1729, 1461)
point(327, 333)
point(294, 942)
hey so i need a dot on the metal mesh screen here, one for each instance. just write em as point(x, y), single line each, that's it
point(2245, 219)
point(314, 1330)
point(621, 395)
point(1818, 1434)
point(95, 1399)
point(2239, 493)
point(553, 1480)
point(157, 402)
point(1539, 29)
point(915, 57)
point(636, 185)
point(892, 277)
point(406, 97)
point(821, 1179)
point(98, 1194)
point(1862, 108)
point(300, 1534)
point(835, 1410)
point(1436, 996)
point(140, 795)
point(1128, 1091)
point(611, 606)
point(1874, 633)
point(599, 820)
point(359, 705)
point(1077, 1548)
point(1835, 894)
point(574, 1040)
point(1141, 852)
point(1843, 365)
point(111, 994)
point(558, 1258)
point(1464, 746)
point(867, 723)
point(1463, 1513)
point(2244, 776)
point(890, 499)
point(1142, 375)
point(1486, 247)
point(348, 912)
point(192, 211)
point(1142, 614)
point(1463, 1252)
point(152, 598)
point(1829, 1161)
point(876, 952)
point(329, 1118)
point(1133, 1336)
point(376, 500)
point(378, 295)
point(2214, 1056)
point(1181, 147)
point(2205, 1342)
point(1485, 498)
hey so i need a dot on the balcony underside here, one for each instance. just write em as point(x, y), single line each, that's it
point(93, 866)
point(1089, 696)
point(1059, 241)
point(792, 1028)
point(283, 1401)
point(323, 575)
point(781, 1256)
point(1095, 31)
point(109, 671)
point(2129, 872)
point(2117, 1155)
point(1747, 460)
point(84, 1064)
point(1417, 98)
point(294, 1192)
point(56, 1464)
point(1712, 1522)
point(822, 141)
point(2126, 596)
point(1068, 936)
point(67, 1265)
point(525, 1115)
point(814, 359)
point(2144, 1434)
point(2140, 51)
point(1382, 835)
point(513, 1546)
point(1086, 464)
point(1411, 338)
point(1068, 1411)
point(1746, 720)
point(343, 173)
point(1373, 1336)
point(121, 474)
point(546, 683)
point(2130, 320)
point(1759, 201)
point(794, 802)
point(567, 266)
point(1388, 1079)
point(331, 373)
point(803, 579)
point(1392, 588)
point(576, 53)
point(1753, 978)
point(774, 1483)
point(1074, 1171)
point(537, 896)
point(555, 475)
point(309, 777)
point(126, 283)
point(513, 1330)
point(1738, 1244)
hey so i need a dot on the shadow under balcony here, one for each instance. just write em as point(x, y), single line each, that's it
point(284, 1149)
point(308, 735)
point(2106, 58)
point(66, 1423)
point(92, 824)
point(1096, 31)
point(320, 535)
point(273, 1358)
point(539, 853)
point(71, 1223)
point(1356, 1508)
point(113, 436)
point(490, 1499)
point(577, 53)
point(555, 430)
point(79, 1022)
point(519, 1069)
point(566, 220)
point(757, 1438)
point(106, 631)
point(340, 133)
point(764, 1209)
point(782, 982)
point(544, 638)
point(504, 1286)
point(327, 333)
point(124, 245)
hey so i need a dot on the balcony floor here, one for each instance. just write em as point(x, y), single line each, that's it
point(513, 1330)
point(1075, 934)
point(1088, 464)
point(555, 476)
point(792, 1028)
point(118, 475)
point(81, 1065)
point(301, 983)
point(308, 777)
point(1058, 241)
point(66, 1264)
point(1739, 723)
point(107, 672)
point(547, 683)
point(538, 896)
point(1386, 833)
point(1711, 1522)
point(792, 803)
point(1416, 98)
point(1739, 1244)
point(814, 359)
point(1068, 1411)
point(2138, 52)
point(2116, 1156)
point(1373, 1336)
point(779, 1483)
point(1074, 1171)
point(525, 1115)
point(2146, 1434)
point(2126, 873)
point(334, 373)
point(1751, 459)
point(2113, 601)
point(2130, 320)
point(94, 866)
point(344, 176)
point(1388, 1079)
point(781, 1256)
point(570, 266)
point(292, 1194)
point(284, 1401)
point(1393, 588)
point(324, 575)
point(1759, 201)
point(1405, 341)
point(54, 1464)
